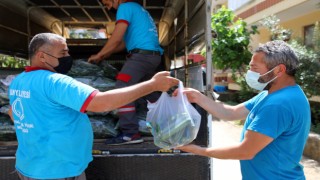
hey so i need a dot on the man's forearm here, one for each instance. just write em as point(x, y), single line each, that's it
point(230, 152)
point(120, 47)
point(220, 110)
point(115, 43)
point(109, 48)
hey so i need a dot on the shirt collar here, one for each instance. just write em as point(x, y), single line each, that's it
point(34, 68)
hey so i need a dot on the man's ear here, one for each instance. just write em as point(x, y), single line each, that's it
point(40, 55)
point(281, 70)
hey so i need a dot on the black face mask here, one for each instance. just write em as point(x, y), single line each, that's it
point(64, 66)
point(113, 10)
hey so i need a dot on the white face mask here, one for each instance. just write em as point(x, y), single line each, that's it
point(253, 77)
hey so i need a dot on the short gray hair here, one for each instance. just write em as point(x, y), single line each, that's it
point(41, 40)
point(278, 52)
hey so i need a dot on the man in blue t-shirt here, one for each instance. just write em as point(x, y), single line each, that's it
point(48, 108)
point(277, 119)
point(135, 31)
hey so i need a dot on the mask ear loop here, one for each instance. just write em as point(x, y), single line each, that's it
point(51, 56)
point(267, 73)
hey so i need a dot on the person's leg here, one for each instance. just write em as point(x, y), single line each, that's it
point(82, 176)
point(22, 177)
point(137, 68)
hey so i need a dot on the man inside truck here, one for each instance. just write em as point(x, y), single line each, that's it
point(135, 31)
point(277, 119)
point(54, 134)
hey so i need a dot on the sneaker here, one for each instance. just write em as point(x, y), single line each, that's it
point(125, 139)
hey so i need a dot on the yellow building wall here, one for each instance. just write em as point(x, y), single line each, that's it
point(262, 37)
point(297, 25)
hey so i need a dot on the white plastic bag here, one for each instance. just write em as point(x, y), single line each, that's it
point(174, 121)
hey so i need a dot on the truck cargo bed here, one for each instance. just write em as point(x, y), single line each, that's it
point(126, 162)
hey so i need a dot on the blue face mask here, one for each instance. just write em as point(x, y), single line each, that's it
point(252, 79)
point(64, 66)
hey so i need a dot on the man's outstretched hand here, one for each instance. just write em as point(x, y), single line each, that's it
point(162, 81)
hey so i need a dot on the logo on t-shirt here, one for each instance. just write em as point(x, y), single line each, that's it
point(17, 109)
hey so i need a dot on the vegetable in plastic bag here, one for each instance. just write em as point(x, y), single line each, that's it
point(174, 121)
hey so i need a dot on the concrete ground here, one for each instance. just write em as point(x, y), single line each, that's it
point(226, 133)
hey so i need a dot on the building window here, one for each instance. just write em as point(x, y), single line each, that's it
point(308, 35)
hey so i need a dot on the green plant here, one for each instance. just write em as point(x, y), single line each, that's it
point(12, 62)
point(230, 45)
point(315, 128)
point(307, 76)
point(277, 32)
point(315, 112)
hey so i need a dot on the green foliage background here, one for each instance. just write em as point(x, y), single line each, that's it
point(12, 62)
point(230, 45)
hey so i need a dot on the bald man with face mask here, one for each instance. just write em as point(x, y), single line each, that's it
point(55, 136)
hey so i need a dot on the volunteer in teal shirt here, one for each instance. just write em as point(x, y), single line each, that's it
point(277, 120)
point(285, 117)
point(52, 129)
point(48, 108)
point(136, 32)
point(141, 32)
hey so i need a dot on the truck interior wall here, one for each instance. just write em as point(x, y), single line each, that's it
point(197, 44)
point(11, 41)
point(181, 18)
point(180, 43)
point(171, 50)
point(35, 29)
point(179, 32)
point(196, 30)
point(13, 46)
point(192, 4)
point(14, 32)
point(16, 21)
point(196, 23)
point(171, 35)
